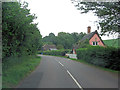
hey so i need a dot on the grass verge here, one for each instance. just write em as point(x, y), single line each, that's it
point(13, 75)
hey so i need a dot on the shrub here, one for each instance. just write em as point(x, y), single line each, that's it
point(55, 52)
point(101, 56)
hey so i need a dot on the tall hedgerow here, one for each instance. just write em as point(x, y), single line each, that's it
point(107, 57)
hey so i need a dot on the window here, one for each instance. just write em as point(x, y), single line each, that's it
point(94, 43)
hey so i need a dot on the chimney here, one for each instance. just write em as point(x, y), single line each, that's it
point(88, 29)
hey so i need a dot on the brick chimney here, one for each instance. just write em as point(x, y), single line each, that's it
point(88, 29)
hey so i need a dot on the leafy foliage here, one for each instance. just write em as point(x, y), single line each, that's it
point(63, 39)
point(51, 39)
point(60, 47)
point(83, 44)
point(55, 52)
point(20, 35)
point(108, 12)
point(107, 57)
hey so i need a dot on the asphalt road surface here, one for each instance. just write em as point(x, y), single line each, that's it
point(58, 72)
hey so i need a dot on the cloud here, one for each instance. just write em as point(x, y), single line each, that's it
point(60, 15)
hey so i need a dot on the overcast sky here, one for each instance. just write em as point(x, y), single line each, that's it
point(61, 16)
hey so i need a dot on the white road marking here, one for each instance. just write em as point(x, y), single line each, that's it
point(75, 80)
point(61, 64)
point(72, 77)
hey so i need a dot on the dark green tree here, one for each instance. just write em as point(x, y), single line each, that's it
point(77, 36)
point(19, 35)
point(108, 13)
point(60, 46)
point(65, 39)
point(50, 39)
point(83, 44)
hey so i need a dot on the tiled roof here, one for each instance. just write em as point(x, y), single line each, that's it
point(89, 36)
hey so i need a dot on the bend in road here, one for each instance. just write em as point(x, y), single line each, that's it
point(57, 72)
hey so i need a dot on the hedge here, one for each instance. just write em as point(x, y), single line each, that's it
point(55, 52)
point(107, 57)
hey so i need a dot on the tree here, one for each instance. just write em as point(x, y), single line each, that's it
point(60, 46)
point(108, 13)
point(20, 35)
point(50, 39)
point(65, 39)
point(83, 44)
point(77, 36)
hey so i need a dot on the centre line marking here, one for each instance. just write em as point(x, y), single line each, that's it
point(75, 80)
point(61, 64)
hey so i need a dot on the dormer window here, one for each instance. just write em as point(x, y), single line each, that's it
point(94, 43)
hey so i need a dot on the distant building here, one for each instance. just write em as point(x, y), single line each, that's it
point(49, 47)
point(93, 37)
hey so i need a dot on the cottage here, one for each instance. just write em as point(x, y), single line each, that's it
point(94, 40)
point(49, 47)
point(93, 37)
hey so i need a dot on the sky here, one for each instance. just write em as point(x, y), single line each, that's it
point(61, 16)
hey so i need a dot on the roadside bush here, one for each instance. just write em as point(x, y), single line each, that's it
point(107, 57)
point(55, 52)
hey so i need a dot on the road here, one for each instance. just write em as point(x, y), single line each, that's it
point(58, 72)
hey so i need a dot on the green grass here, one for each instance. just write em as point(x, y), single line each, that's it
point(112, 42)
point(13, 75)
point(105, 69)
